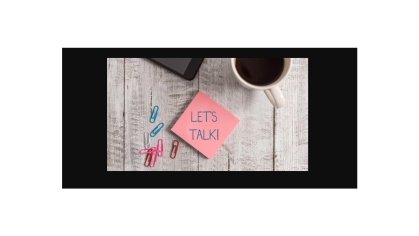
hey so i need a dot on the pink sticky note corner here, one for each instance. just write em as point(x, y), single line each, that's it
point(215, 125)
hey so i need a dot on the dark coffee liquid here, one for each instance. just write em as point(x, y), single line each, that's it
point(260, 71)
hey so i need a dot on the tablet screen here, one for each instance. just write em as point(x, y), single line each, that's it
point(177, 64)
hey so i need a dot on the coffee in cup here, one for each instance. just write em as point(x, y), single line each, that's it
point(263, 74)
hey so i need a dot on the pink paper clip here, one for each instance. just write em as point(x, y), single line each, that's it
point(146, 151)
point(160, 148)
point(154, 153)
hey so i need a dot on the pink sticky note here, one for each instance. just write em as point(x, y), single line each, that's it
point(205, 125)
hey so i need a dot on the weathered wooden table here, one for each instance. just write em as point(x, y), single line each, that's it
point(266, 139)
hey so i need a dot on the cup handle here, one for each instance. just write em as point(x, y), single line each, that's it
point(276, 97)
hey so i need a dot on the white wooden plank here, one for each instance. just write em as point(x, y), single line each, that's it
point(173, 94)
point(148, 85)
point(137, 106)
point(115, 113)
point(250, 145)
point(291, 121)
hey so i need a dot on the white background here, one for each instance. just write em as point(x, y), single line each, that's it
point(32, 34)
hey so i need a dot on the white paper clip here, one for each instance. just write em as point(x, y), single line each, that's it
point(147, 139)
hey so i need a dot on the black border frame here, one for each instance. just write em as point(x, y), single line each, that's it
point(332, 118)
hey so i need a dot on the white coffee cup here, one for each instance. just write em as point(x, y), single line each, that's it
point(272, 90)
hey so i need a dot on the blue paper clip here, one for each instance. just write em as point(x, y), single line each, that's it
point(154, 114)
point(157, 129)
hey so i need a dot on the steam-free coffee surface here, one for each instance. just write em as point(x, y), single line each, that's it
point(260, 71)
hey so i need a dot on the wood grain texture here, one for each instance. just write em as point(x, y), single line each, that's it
point(265, 139)
point(115, 111)
point(291, 129)
point(148, 85)
point(250, 145)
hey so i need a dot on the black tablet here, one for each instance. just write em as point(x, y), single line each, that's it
point(185, 67)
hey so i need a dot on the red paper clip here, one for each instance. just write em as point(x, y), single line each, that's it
point(149, 157)
point(155, 156)
point(174, 148)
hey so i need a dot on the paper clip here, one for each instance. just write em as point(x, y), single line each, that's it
point(148, 158)
point(154, 153)
point(160, 148)
point(146, 151)
point(157, 129)
point(154, 114)
point(146, 140)
point(174, 148)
